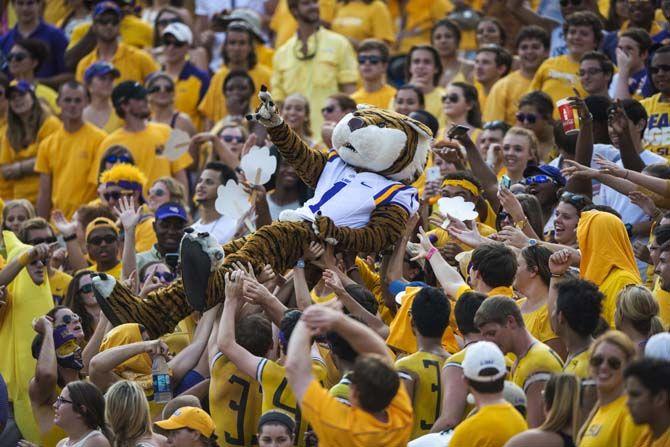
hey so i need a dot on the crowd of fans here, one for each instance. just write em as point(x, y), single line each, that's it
point(542, 322)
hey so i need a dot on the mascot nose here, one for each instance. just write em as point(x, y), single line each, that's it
point(356, 123)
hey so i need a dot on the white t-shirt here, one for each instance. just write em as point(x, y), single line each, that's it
point(275, 209)
point(604, 150)
point(223, 228)
point(210, 7)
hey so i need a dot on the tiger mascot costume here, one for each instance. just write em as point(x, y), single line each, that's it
point(361, 203)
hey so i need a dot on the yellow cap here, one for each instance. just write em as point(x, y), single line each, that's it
point(101, 222)
point(189, 417)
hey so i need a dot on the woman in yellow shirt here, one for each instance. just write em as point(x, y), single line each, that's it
point(607, 258)
point(424, 70)
point(363, 19)
point(99, 81)
point(636, 315)
point(460, 105)
point(610, 423)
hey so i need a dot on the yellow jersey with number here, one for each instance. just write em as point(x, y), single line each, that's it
point(277, 393)
point(657, 133)
point(612, 426)
point(538, 364)
point(424, 368)
point(578, 365)
point(234, 403)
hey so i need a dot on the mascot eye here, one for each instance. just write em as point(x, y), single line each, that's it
point(382, 124)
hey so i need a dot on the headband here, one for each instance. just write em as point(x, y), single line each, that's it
point(277, 417)
point(125, 184)
point(465, 184)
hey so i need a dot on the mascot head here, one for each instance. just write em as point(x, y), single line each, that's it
point(383, 141)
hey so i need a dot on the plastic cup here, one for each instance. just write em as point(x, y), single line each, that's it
point(569, 116)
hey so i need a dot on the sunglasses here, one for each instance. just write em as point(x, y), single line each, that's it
point(231, 138)
point(453, 98)
point(109, 239)
point(494, 125)
point(655, 69)
point(537, 180)
point(161, 88)
point(529, 118)
point(174, 42)
point(115, 195)
point(111, 21)
point(42, 240)
point(591, 72)
point(86, 288)
point(373, 60)
point(164, 276)
point(328, 109)
point(579, 201)
point(166, 22)
point(612, 362)
point(18, 57)
point(118, 159)
point(60, 401)
point(67, 319)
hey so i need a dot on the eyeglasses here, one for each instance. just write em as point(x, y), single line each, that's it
point(579, 201)
point(495, 125)
point(231, 138)
point(111, 21)
point(73, 318)
point(529, 118)
point(655, 69)
point(373, 60)
point(175, 42)
point(161, 88)
point(42, 240)
point(118, 159)
point(18, 57)
point(612, 362)
point(61, 400)
point(115, 195)
point(86, 288)
point(591, 72)
point(565, 3)
point(453, 98)
point(537, 180)
point(109, 239)
point(328, 109)
point(166, 22)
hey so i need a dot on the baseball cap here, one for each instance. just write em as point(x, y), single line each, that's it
point(180, 31)
point(100, 68)
point(189, 417)
point(101, 222)
point(484, 362)
point(658, 346)
point(20, 86)
point(244, 18)
point(128, 90)
point(168, 210)
point(550, 171)
point(104, 7)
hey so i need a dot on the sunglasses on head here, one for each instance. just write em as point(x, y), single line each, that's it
point(374, 60)
point(655, 69)
point(115, 195)
point(612, 362)
point(579, 201)
point(453, 98)
point(328, 109)
point(117, 159)
point(175, 42)
point(18, 57)
point(110, 21)
point(98, 240)
point(231, 138)
point(42, 240)
point(86, 288)
point(161, 88)
point(537, 180)
point(494, 125)
point(529, 118)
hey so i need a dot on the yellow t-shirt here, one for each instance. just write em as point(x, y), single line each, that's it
point(537, 322)
point(663, 299)
point(503, 99)
point(360, 20)
point(612, 426)
point(54, 12)
point(234, 402)
point(380, 98)
point(337, 424)
point(536, 365)
point(340, 390)
point(65, 157)
point(333, 375)
point(424, 368)
point(133, 30)
point(145, 236)
point(373, 283)
point(647, 439)
point(557, 77)
point(284, 25)
point(190, 87)
point(213, 104)
point(321, 298)
point(59, 282)
point(333, 63)
point(277, 394)
point(579, 365)
point(133, 64)
point(657, 133)
point(491, 426)
point(615, 281)
point(114, 271)
point(433, 104)
point(421, 15)
point(146, 148)
point(48, 96)
point(27, 186)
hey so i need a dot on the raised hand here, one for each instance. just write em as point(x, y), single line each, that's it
point(513, 236)
point(65, 227)
point(266, 114)
point(156, 347)
point(321, 318)
point(127, 213)
point(643, 201)
point(42, 325)
point(560, 261)
point(333, 281)
point(511, 204)
point(234, 285)
point(574, 169)
point(468, 236)
point(424, 246)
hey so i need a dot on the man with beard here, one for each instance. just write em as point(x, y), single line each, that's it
point(144, 140)
point(133, 64)
point(169, 224)
point(316, 62)
point(532, 45)
point(221, 227)
point(59, 362)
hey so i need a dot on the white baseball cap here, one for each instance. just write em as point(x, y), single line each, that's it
point(658, 346)
point(180, 31)
point(484, 362)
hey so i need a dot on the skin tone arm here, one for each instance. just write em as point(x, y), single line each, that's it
point(74, 54)
point(46, 371)
point(535, 404)
point(454, 397)
point(93, 345)
point(574, 169)
point(511, 204)
point(395, 264)
point(621, 84)
point(44, 196)
point(481, 170)
point(256, 293)
point(584, 148)
point(302, 296)
point(75, 258)
point(13, 268)
point(182, 178)
point(129, 217)
point(653, 184)
point(446, 275)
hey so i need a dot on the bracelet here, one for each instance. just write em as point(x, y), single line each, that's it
point(521, 224)
point(430, 253)
point(300, 264)
point(557, 275)
point(24, 258)
point(70, 237)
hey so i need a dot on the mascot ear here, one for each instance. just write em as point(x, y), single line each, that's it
point(420, 128)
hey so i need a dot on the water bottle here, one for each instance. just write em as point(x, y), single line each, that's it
point(161, 379)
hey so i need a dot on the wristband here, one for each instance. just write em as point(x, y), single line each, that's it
point(24, 258)
point(70, 237)
point(430, 253)
point(557, 275)
point(300, 264)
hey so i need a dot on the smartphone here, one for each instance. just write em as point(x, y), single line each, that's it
point(505, 182)
point(433, 174)
point(457, 131)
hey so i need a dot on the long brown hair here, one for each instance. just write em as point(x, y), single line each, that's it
point(75, 303)
point(19, 134)
point(88, 401)
point(562, 396)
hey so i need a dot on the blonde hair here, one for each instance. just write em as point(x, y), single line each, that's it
point(637, 305)
point(123, 172)
point(127, 413)
point(533, 143)
point(307, 124)
point(176, 190)
point(626, 345)
point(562, 394)
point(17, 203)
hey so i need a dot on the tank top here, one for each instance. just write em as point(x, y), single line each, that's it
point(567, 439)
point(82, 441)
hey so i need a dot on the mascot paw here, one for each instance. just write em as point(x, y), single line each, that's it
point(325, 228)
point(290, 216)
point(266, 114)
point(200, 254)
